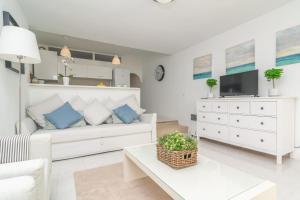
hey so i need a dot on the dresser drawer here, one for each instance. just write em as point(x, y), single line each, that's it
point(204, 117)
point(263, 123)
point(263, 108)
point(221, 107)
point(204, 106)
point(253, 122)
point(255, 139)
point(219, 132)
point(239, 107)
point(241, 121)
point(218, 118)
point(213, 131)
point(203, 129)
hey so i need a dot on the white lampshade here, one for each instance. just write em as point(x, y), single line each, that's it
point(15, 42)
point(65, 52)
point(116, 60)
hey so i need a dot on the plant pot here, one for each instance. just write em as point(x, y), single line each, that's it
point(274, 92)
point(210, 94)
point(66, 80)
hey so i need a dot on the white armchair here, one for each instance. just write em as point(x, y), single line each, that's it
point(28, 179)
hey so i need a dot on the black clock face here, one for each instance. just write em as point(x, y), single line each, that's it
point(159, 73)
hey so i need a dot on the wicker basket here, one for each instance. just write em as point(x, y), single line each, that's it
point(177, 159)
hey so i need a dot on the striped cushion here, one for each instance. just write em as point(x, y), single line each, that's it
point(14, 148)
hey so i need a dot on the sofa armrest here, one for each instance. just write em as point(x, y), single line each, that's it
point(40, 147)
point(151, 119)
point(34, 168)
point(28, 126)
point(22, 187)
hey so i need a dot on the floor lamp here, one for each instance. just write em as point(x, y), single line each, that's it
point(19, 45)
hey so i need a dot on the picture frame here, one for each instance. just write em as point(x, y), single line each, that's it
point(8, 20)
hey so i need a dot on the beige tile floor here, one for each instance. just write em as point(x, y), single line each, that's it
point(287, 176)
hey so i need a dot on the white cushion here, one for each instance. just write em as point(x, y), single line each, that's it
point(78, 103)
point(33, 168)
point(96, 113)
point(93, 132)
point(36, 112)
point(22, 187)
point(132, 102)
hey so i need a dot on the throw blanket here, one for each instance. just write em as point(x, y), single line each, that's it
point(14, 148)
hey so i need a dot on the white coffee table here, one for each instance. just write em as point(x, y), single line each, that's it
point(208, 180)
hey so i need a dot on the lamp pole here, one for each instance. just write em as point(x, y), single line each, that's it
point(20, 94)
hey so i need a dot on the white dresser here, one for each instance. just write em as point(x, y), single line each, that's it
point(263, 124)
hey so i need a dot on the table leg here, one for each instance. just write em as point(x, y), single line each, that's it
point(131, 171)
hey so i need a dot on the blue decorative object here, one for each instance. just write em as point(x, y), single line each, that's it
point(126, 114)
point(63, 117)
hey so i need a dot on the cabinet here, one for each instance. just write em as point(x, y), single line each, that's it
point(81, 70)
point(47, 69)
point(262, 124)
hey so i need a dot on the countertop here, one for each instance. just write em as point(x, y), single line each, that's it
point(82, 86)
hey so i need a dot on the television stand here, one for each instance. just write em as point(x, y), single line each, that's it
point(264, 124)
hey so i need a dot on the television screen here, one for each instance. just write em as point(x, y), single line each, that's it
point(245, 83)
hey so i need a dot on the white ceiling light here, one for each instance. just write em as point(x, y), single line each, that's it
point(163, 1)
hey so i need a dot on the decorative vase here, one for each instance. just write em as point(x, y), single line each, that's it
point(274, 92)
point(210, 94)
point(66, 80)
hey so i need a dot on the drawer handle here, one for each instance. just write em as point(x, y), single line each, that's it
point(219, 118)
point(203, 117)
point(262, 123)
point(203, 106)
point(237, 136)
point(219, 107)
point(203, 129)
point(261, 140)
point(219, 132)
point(237, 107)
point(237, 120)
point(262, 108)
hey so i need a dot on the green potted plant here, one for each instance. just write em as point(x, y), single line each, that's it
point(211, 83)
point(177, 150)
point(272, 75)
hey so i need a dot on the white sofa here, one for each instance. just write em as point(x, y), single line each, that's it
point(81, 141)
point(88, 140)
point(28, 179)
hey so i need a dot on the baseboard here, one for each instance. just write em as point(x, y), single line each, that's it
point(296, 154)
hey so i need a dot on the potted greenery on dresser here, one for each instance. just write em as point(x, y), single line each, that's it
point(272, 75)
point(177, 150)
point(211, 83)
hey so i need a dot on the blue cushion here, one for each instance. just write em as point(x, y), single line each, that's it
point(126, 114)
point(63, 117)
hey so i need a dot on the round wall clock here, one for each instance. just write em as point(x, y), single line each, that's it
point(159, 73)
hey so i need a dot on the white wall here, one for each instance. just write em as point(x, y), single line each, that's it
point(9, 79)
point(177, 94)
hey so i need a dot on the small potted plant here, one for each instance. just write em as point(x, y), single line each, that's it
point(177, 150)
point(65, 76)
point(272, 75)
point(211, 83)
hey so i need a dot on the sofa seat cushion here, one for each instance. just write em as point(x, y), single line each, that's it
point(93, 132)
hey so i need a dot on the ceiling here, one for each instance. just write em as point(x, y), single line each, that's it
point(143, 24)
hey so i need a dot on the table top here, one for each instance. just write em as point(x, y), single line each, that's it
point(208, 179)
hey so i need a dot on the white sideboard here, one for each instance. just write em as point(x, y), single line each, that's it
point(263, 124)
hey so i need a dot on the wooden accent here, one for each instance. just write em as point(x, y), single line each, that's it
point(177, 159)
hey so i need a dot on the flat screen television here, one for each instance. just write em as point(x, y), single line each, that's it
point(241, 84)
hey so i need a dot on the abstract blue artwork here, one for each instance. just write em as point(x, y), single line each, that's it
point(288, 46)
point(202, 67)
point(240, 58)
